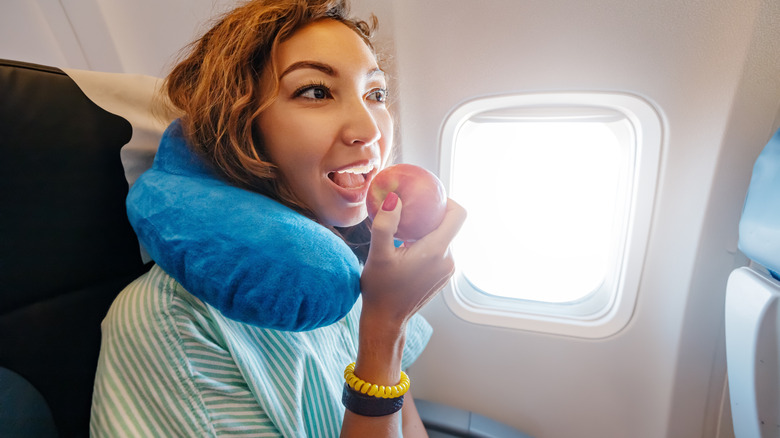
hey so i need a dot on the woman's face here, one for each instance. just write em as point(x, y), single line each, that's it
point(329, 130)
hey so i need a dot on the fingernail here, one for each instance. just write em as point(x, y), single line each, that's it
point(390, 202)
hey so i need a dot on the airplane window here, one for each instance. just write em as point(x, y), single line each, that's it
point(549, 192)
point(552, 194)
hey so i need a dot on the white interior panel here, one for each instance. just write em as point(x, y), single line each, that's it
point(37, 34)
point(704, 66)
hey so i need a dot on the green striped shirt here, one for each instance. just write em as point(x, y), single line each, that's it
point(171, 365)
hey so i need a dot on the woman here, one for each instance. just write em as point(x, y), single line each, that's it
point(284, 98)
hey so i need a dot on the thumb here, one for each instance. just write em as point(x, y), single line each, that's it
point(386, 223)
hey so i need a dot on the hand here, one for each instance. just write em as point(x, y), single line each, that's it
point(397, 282)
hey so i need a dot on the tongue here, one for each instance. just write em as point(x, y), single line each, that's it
point(349, 180)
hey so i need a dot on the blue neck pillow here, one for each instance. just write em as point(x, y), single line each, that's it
point(252, 258)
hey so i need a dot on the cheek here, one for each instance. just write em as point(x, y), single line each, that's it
point(299, 165)
point(264, 128)
point(289, 145)
point(387, 127)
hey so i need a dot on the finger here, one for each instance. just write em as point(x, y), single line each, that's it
point(439, 284)
point(454, 217)
point(385, 224)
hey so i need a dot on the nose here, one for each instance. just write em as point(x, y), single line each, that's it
point(360, 125)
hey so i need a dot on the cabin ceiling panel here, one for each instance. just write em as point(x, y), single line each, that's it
point(38, 32)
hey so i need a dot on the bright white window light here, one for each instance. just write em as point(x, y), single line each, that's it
point(559, 190)
point(543, 197)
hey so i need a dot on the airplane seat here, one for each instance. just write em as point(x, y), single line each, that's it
point(23, 410)
point(752, 306)
point(67, 247)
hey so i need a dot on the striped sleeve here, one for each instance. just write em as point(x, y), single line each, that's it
point(164, 370)
point(298, 377)
point(171, 365)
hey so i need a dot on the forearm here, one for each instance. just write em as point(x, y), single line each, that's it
point(412, 423)
point(380, 348)
point(380, 351)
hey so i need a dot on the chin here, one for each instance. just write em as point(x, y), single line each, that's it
point(346, 220)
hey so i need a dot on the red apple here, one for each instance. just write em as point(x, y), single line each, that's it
point(423, 199)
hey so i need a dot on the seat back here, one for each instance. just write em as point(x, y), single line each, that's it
point(753, 305)
point(66, 246)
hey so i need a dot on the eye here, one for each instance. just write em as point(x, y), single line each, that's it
point(313, 92)
point(377, 95)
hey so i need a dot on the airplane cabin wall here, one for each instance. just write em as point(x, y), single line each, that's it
point(709, 67)
point(139, 36)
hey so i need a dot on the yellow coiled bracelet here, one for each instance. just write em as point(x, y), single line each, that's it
point(375, 390)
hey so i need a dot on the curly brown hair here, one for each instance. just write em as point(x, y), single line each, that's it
point(218, 86)
point(219, 89)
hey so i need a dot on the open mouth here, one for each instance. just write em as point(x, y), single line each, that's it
point(352, 178)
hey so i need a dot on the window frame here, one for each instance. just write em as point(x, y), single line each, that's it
point(604, 312)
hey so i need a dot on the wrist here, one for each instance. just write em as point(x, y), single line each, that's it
point(380, 350)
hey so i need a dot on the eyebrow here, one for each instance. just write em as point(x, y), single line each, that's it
point(325, 68)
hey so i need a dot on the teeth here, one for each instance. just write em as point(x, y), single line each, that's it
point(358, 169)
